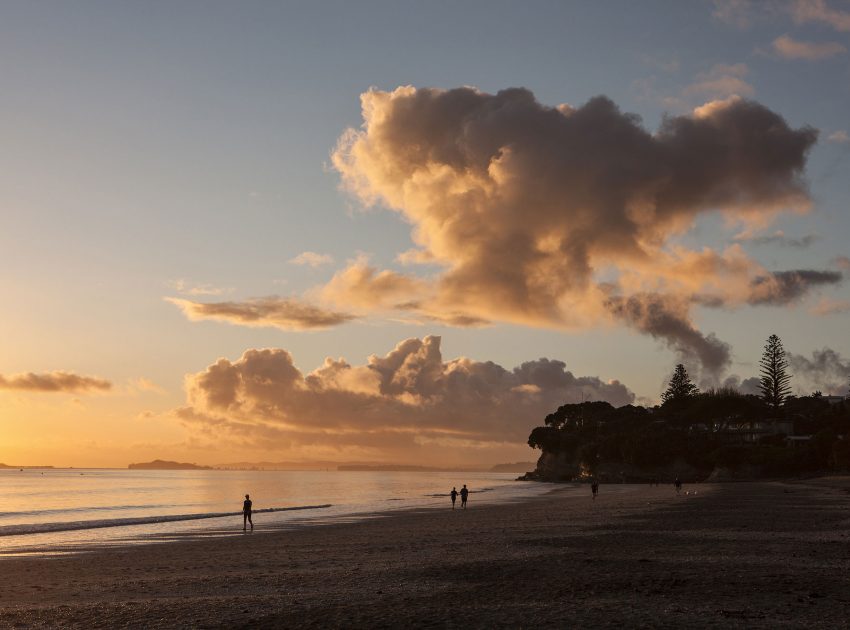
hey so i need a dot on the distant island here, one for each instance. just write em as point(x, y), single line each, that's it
point(161, 464)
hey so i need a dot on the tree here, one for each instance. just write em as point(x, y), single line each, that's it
point(680, 386)
point(774, 373)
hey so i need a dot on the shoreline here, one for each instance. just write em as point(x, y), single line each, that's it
point(748, 554)
point(89, 536)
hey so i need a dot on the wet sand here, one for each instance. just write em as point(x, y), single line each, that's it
point(763, 555)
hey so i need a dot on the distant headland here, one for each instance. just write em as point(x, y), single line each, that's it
point(161, 464)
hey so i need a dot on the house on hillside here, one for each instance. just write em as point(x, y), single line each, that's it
point(752, 432)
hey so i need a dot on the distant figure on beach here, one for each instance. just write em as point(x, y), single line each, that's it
point(246, 513)
point(678, 484)
point(454, 497)
point(464, 493)
point(594, 488)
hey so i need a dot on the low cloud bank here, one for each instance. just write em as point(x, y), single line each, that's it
point(409, 402)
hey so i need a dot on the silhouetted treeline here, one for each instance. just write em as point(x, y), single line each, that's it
point(719, 433)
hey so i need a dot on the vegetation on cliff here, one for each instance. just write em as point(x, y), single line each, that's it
point(718, 433)
point(694, 436)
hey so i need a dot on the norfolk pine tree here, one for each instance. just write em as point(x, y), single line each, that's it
point(774, 375)
point(680, 386)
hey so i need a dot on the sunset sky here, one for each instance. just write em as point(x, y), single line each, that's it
point(406, 231)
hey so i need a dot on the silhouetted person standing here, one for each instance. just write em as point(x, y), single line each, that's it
point(678, 484)
point(454, 497)
point(594, 488)
point(246, 513)
point(464, 493)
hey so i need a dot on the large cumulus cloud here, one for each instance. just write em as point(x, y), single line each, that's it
point(406, 402)
point(563, 216)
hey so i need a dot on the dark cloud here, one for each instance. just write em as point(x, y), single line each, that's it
point(751, 385)
point(779, 238)
point(276, 312)
point(667, 319)
point(826, 371)
point(410, 396)
point(785, 287)
point(53, 382)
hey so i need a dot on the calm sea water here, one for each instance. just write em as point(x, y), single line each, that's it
point(52, 511)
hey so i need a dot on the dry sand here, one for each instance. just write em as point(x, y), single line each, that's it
point(765, 555)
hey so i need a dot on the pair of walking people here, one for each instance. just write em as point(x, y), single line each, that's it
point(464, 495)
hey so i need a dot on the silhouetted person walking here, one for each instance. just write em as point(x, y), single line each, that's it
point(464, 493)
point(246, 513)
point(678, 484)
point(594, 488)
point(454, 497)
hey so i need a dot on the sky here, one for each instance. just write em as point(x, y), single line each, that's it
point(404, 231)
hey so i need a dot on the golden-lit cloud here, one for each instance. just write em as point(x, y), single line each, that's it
point(839, 137)
point(274, 312)
point(403, 402)
point(58, 381)
point(312, 259)
point(564, 216)
point(789, 48)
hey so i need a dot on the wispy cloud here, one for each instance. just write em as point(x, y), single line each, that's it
point(830, 307)
point(735, 12)
point(778, 238)
point(274, 312)
point(787, 47)
point(838, 137)
point(820, 11)
point(721, 81)
point(58, 381)
point(185, 287)
point(312, 259)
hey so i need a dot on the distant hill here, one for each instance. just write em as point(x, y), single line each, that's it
point(161, 464)
point(512, 468)
point(25, 467)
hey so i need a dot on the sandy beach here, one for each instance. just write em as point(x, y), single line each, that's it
point(773, 554)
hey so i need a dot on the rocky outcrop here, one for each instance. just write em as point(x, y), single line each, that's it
point(554, 467)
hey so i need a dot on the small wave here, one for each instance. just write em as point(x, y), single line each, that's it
point(43, 528)
point(95, 508)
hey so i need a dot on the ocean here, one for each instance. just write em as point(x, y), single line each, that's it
point(57, 511)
